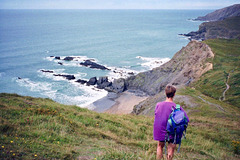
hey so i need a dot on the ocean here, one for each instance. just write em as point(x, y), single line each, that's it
point(126, 41)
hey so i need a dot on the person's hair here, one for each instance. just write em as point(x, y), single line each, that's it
point(170, 91)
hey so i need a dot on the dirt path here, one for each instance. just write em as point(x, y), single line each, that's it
point(223, 96)
point(216, 105)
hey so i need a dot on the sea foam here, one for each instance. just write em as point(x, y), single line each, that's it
point(151, 63)
point(43, 88)
point(81, 94)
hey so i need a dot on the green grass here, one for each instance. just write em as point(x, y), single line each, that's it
point(36, 128)
point(228, 27)
point(225, 62)
point(42, 129)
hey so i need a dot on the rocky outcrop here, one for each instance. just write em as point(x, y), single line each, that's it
point(68, 58)
point(221, 14)
point(46, 71)
point(103, 82)
point(118, 86)
point(90, 64)
point(227, 29)
point(68, 77)
point(187, 65)
point(81, 81)
point(92, 81)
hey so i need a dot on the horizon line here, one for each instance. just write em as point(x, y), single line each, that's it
point(104, 9)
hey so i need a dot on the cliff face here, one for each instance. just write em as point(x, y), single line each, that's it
point(228, 29)
point(187, 65)
point(221, 14)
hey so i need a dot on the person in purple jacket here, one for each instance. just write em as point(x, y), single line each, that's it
point(162, 112)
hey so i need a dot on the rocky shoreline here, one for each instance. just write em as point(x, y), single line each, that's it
point(186, 66)
point(227, 29)
point(222, 23)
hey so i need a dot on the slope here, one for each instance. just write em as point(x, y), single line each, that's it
point(227, 28)
point(226, 70)
point(35, 128)
point(221, 14)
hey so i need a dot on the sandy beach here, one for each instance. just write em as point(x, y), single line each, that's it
point(125, 103)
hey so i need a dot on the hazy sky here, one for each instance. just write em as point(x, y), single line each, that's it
point(116, 4)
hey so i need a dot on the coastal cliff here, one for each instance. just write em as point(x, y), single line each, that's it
point(186, 66)
point(221, 82)
point(223, 23)
point(221, 14)
point(227, 28)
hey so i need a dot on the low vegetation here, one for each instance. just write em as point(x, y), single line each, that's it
point(36, 128)
point(225, 63)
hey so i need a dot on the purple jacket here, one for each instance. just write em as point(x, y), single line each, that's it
point(162, 112)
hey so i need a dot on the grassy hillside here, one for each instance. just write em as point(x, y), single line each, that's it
point(35, 128)
point(225, 63)
point(228, 27)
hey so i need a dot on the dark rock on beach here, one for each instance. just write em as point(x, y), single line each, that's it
point(131, 73)
point(68, 58)
point(57, 58)
point(103, 82)
point(68, 77)
point(92, 81)
point(89, 63)
point(60, 63)
point(118, 86)
point(81, 81)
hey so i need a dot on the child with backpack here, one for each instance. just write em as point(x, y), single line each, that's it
point(170, 123)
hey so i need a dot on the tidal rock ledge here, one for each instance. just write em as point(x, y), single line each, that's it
point(68, 77)
point(90, 64)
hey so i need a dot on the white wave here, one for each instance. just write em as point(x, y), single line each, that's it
point(35, 86)
point(80, 58)
point(75, 62)
point(49, 58)
point(151, 63)
point(51, 76)
point(75, 58)
point(80, 75)
point(91, 94)
point(183, 37)
point(116, 73)
point(192, 20)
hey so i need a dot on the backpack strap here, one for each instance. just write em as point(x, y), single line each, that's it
point(175, 136)
point(177, 106)
point(179, 147)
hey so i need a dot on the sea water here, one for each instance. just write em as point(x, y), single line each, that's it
point(123, 40)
